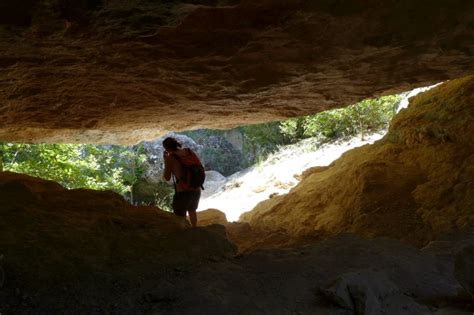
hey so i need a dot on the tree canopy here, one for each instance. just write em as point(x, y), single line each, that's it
point(77, 166)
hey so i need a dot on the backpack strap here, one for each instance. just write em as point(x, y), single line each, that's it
point(174, 182)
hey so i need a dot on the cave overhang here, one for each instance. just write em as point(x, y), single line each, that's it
point(116, 73)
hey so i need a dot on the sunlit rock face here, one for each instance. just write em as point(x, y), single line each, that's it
point(413, 185)
point(123, 71)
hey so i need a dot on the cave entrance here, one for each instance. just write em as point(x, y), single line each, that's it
point(244, 165)
point(276, 154)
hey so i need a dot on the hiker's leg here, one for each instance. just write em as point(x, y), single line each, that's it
point(194, 196)
point(193, 218)
point(179, 207)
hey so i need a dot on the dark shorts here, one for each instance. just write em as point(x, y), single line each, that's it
point(184, 201)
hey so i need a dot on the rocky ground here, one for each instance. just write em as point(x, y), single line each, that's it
point(107, 257)
point(83, 251)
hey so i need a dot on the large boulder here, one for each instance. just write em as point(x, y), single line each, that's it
point(217, 152)
point(211, 216)
point(214, 181)
point(368, 292)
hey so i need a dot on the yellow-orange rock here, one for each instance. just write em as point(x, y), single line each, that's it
point(131, 71)
point(412, 185)
point(211, 216)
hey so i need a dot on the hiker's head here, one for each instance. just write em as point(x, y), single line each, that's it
point(171, 144)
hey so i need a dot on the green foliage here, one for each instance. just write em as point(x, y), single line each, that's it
point(77, 166)
point(262, 139)
point(164, 197)
point(367, 115)
point(293, 129)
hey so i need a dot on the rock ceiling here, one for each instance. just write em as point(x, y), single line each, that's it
point(125, 71)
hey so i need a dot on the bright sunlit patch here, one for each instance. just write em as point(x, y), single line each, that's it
point(244, 190)
point(406, 96)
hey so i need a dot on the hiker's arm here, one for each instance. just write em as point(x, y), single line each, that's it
point(167, 171)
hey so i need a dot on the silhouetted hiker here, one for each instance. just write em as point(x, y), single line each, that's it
point(188, 176)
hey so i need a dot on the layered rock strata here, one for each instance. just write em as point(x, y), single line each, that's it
point(121, 72)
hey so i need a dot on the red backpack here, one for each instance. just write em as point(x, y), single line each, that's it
point(193, 171)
